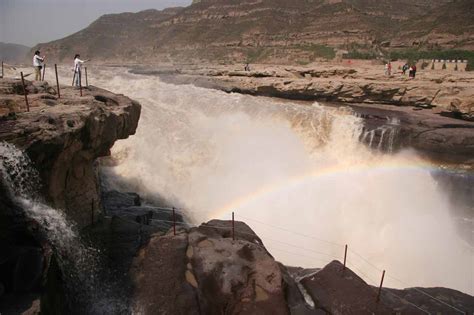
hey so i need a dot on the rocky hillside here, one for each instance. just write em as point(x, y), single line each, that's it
point(265, 30)
point(11, 53)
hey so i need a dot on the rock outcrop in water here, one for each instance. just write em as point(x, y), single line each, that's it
point(64, 136)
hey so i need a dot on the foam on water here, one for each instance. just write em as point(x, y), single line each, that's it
point(205, 150)
point(80, 264)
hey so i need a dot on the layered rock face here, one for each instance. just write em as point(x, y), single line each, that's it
point(263, 30)
point(64, 136)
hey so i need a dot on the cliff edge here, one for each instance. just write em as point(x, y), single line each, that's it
point(64, 136)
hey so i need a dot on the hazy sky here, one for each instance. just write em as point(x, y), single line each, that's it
point(30, 22)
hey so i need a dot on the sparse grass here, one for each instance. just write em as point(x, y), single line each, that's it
point(449, 54)
point(318, 51)
point(258, 54)
point(357, 54)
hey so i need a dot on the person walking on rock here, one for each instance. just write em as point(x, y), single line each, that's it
point(405, 68)
point(78, 70)
point(38, 65)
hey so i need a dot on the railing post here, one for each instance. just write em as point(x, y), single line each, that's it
point(74, 76)
point(380, 288)
point(25, 92)
point(44, 70)
point(87, 82)
point(174, 221)
point(345, 257)
point(233, 227)
point(57, 79)
point(80, 81)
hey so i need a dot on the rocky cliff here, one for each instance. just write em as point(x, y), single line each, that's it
point(12, 53)
point(64, 136)
point(263, 30)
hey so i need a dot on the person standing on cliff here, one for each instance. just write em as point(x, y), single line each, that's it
point(78, 69)
point(38, 65)
point(405, 68)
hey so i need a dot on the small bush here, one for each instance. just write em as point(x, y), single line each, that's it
point(357, 54)
point(470, 65)
point(444, 66)
point(424, 65)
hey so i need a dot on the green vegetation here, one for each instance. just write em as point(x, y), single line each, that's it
point(450, 54)
point(357, 54)
point(318, 51)
point(258, 54)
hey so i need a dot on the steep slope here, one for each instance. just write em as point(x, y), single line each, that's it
point(244, 30)
point(12, 53)
point(448, 26)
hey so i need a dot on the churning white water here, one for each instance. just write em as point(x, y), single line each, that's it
point(298, 175)
point(79, 263)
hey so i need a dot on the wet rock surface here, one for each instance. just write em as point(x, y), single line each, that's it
point(220, 275)
point(64, 136)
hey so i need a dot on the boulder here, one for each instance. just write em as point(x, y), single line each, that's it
point(63, 137)
point(204, 271)
point(340, 291)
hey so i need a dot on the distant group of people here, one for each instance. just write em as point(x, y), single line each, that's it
point(38, 64)
point(406, 67)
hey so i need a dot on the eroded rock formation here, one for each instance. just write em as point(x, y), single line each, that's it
point(64, 136)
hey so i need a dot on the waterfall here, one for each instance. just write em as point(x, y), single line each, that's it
point(79, 263)
point(303, 167)
point(386, 135)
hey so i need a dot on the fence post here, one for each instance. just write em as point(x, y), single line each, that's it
point(57, 79)
point(25, 92)
point(345, 257)
point(80, 81)
point(233, 227)
point(380, 288)
point(174, 221)
point(44, 70)
point(74, 76)
point(87, 82)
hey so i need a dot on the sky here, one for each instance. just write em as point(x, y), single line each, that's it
point(29, 22)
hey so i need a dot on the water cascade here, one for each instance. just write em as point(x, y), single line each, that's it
point(310, 170)
point(79, 263)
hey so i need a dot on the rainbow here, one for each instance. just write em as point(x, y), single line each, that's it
point(334, 171)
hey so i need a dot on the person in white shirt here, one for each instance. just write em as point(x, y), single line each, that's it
point(38, 65)
point(77, 69)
